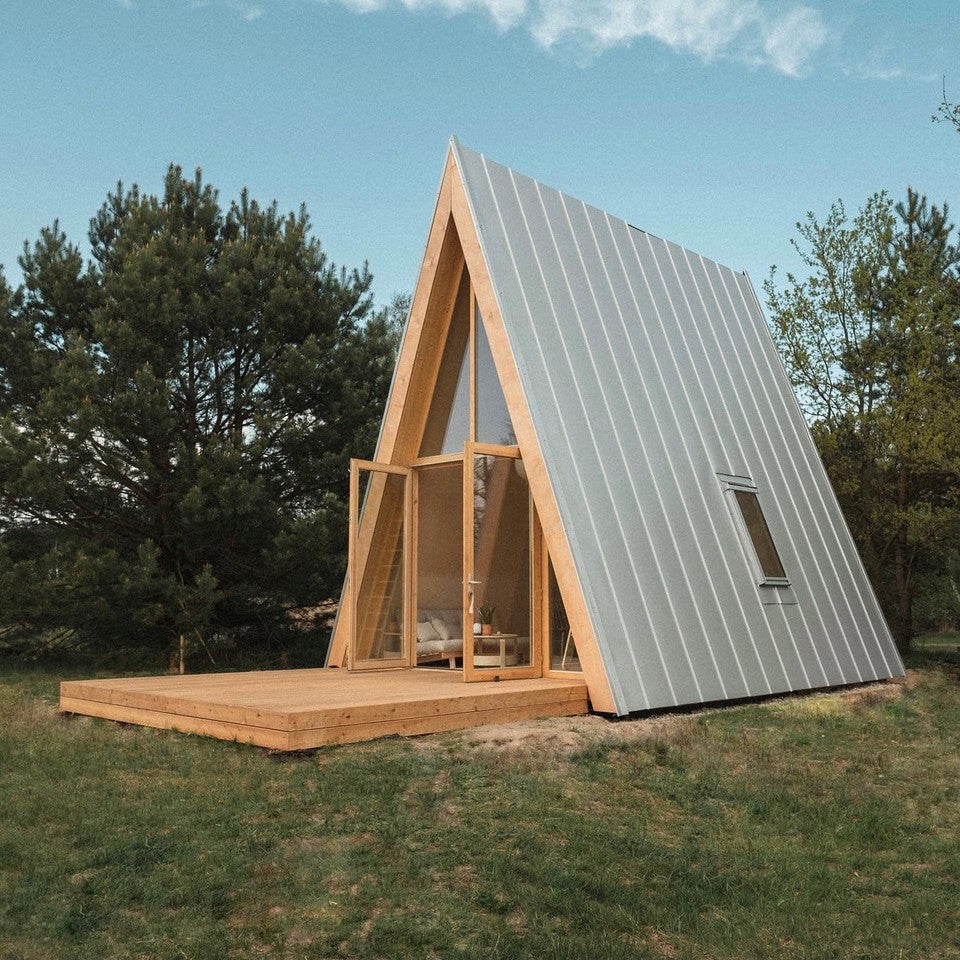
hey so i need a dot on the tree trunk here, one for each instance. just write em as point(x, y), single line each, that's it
point(903, 623)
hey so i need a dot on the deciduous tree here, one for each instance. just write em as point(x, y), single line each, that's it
point(872, 344)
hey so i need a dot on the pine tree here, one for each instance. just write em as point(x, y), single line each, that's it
point(176, 418)
point(872, 343)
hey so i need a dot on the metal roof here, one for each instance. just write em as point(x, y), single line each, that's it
point(650, 375)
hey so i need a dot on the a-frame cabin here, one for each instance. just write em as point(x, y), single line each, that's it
point(592, 446)
point(458, 452)
point(591, 433)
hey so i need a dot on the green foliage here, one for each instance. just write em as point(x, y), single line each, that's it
point(176, 418)
point(937, 605)
point(872, 343)
point(806, 829)
point(947, 112)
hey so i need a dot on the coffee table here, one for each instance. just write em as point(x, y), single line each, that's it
point(482, 644)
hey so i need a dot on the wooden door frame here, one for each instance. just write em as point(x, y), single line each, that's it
point(440, 460)
point(546, 616)
point(355, 563)
point(472, 674)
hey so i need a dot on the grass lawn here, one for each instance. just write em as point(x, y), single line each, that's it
point(824, 826)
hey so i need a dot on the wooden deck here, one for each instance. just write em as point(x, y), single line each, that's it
point(300, 709)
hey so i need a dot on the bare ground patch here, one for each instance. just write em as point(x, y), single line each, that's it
point(563, 736)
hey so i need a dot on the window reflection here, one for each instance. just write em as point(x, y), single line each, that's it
point(493, 418)
point(448, 424)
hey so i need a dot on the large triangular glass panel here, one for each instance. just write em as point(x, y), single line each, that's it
point(448, 423)
point(493, 418)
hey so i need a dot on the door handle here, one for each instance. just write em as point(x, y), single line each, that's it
point(470, 585)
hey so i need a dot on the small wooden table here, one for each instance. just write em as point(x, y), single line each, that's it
point(499, 659)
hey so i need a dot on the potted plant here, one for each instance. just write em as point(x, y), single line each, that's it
point(485, 613)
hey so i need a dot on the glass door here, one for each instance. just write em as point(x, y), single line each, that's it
point(438, 585)
point(381, 507)
point(498, 567)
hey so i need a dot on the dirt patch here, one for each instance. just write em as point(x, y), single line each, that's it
point(849, 700)
point(912, 679)
point(872, 693)
point(661, 945)
point(563, 736)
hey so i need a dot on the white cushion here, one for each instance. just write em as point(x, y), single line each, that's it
point(453, 646)
point(425, 631)
point(449, 615)
point(440, 625)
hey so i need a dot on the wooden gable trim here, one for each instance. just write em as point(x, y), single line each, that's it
point(452, 241)
point(418, 363)
point(554, 535)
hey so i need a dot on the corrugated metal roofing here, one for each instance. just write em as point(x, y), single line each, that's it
point(649, 373)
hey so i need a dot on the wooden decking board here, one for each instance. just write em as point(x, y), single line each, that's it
point(425, 708)
point(221, 730)
point(299, 707)
point(296, 709)
point(434, 712)
point(193, 706)
point(322, 736)
point(357, 732)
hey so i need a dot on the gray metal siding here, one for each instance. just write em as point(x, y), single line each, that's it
point(648, 371)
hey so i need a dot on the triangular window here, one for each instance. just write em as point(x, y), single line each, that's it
point(448, 424)
point(493, 418)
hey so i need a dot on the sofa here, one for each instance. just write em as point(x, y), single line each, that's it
point(439, 636)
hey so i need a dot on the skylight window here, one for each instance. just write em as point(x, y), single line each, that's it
point(754, 532)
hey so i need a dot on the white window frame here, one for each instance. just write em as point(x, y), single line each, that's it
point(731, 485)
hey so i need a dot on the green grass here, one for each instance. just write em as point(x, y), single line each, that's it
point(817, 827)
point(944, 645)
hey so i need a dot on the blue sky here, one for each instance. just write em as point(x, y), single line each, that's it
point(715, 123)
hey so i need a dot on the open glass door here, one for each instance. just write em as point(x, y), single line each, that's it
point(381, 507)
point(498, 568)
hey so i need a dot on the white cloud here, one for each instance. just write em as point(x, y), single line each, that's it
point(784, 36)
point(877, 66)
point(249, 11)
point(504, 13)
point(704, 28)
point(873, 72)
point(791, 40)
point(867, 72)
